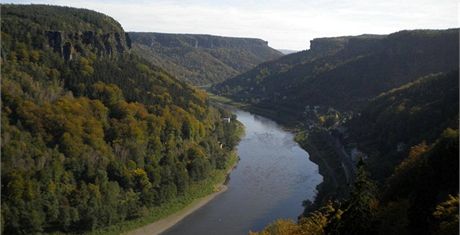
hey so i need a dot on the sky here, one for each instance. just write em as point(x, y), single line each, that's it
point(285, 24)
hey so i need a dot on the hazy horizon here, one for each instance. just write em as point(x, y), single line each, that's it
point(288, 25)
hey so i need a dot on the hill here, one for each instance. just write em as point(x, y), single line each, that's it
point(343, 73)
point(405, 146)
point(92, 134)
point(379, 115)
point(420, 197)
point(403, 117)
point(202, 59)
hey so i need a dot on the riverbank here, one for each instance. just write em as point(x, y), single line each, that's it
point(198, 195)
point(322, 151)
point(286, 121)
point(271, 181)
point(164, 224)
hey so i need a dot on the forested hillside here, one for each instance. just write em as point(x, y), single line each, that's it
point(101, 128)
point(420, 197)
point(403, 117)
point(406, 181)
point(202, 59)
point(344, 73)
point(93, 135)
point(380, 116)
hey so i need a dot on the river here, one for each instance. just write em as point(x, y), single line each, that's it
point(272, 179)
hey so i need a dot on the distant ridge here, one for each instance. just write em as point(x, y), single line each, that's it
point(202, 59)
point(345, 72)
point(286, 51)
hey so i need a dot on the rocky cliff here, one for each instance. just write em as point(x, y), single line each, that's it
point(67, 44)
point(79, 31)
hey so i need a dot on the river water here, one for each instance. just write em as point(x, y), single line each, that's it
point(272, 179)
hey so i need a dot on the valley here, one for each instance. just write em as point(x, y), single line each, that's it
point(105, 131)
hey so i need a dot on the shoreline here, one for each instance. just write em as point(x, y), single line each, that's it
point(164, 224)
point(168, 222)
point(330, 184)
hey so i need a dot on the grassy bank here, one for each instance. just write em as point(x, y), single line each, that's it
point(284, 118)
point(224, 100)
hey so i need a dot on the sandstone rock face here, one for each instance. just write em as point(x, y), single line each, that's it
point(68, 44)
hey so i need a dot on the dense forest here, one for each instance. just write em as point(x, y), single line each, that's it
point(100, 127)
point(396, 120)
point(379, 115)
point(202, 59)
point(420, 197)
point(344, 73)
point(93, 135)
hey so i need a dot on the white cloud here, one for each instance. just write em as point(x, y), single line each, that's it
point(285, 24)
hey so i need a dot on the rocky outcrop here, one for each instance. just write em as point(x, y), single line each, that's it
point(196, 41)
point(327, 44)
point(360, 43)
point(68, 44)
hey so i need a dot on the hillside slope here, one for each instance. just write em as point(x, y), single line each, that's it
point(93, 135)
point(405, 145)
point(379, 114)
point(420, 197)
point(403, 117)
point(202, 59)
point(344, 73)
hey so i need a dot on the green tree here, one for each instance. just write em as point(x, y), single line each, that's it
point(359, 210)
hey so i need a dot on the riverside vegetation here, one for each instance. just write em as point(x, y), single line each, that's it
point(93, 135)
point(379, 114)
point(97, 139)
